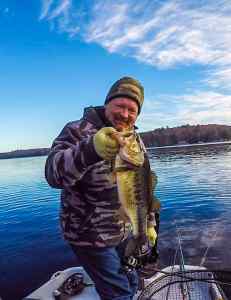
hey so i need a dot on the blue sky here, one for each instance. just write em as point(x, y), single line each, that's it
point(57, 57)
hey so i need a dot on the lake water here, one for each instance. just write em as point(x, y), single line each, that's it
point(194, 187)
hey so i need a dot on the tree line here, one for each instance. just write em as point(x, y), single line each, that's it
point(186, 134)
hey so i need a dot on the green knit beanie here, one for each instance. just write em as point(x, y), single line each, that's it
point(127, 87)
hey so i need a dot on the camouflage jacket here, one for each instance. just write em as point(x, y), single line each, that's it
point(89, 200)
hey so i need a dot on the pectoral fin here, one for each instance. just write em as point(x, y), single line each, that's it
point(151, 233)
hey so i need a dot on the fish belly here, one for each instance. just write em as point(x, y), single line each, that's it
point(131, 202)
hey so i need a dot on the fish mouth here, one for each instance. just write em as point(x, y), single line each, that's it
point(133, 160)
point(130, 150)
point(121, 126)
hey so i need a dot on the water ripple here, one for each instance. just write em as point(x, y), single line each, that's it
point(193, 186)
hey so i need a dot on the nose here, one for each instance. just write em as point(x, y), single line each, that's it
point(124, 113)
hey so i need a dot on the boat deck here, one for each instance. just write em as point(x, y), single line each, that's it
point(195, 283)
point(190, 285)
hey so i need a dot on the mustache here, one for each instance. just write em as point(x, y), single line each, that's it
point(121, 119)
point(124, 123)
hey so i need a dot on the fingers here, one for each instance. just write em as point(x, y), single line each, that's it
point(114, 135)
point(109, 153)
point(111, 150)
point(105, 144)
point(109, 137)
point(109, 130)
point(111, 143)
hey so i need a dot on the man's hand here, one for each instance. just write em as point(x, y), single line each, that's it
point(105, 143)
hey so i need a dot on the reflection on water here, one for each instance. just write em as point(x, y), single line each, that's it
point(194, 188)
point(195, 191)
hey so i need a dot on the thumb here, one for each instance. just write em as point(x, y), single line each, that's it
point(109, 131)
point(112, 136)
point(115, 135)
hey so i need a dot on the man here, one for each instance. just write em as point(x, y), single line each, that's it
point(79, 163)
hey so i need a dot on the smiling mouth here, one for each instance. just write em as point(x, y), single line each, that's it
point(120, 122)
point(120, 125)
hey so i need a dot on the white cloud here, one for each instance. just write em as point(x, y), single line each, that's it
point(220, 77)
point(162, 34)
point(167, 35)
point(198, 108)
point(207, 100)
point(102, 29)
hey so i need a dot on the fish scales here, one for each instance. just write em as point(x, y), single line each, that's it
point(134, 185)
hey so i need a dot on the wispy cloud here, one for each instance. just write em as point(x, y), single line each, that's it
point(162, 34)
point(198, 108)
point(61, 9)
point(60, 15)
point(220, 76)
point(46, 5)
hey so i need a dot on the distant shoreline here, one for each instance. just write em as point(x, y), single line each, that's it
point(190, 145)
point(160, 138)
point(45, 151)
point(25, 153)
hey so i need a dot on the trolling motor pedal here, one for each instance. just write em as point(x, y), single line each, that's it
point(73, 285)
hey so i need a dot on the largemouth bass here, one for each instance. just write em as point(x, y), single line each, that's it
point(135, 183)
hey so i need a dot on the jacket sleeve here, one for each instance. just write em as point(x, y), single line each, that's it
point(71, 154)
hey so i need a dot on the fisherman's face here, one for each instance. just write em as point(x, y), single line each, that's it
point(122, 112)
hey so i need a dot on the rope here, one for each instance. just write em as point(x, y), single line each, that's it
point(206, 251)
point(185, 291)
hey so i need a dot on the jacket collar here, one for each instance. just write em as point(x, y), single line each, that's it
point(96, 116)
